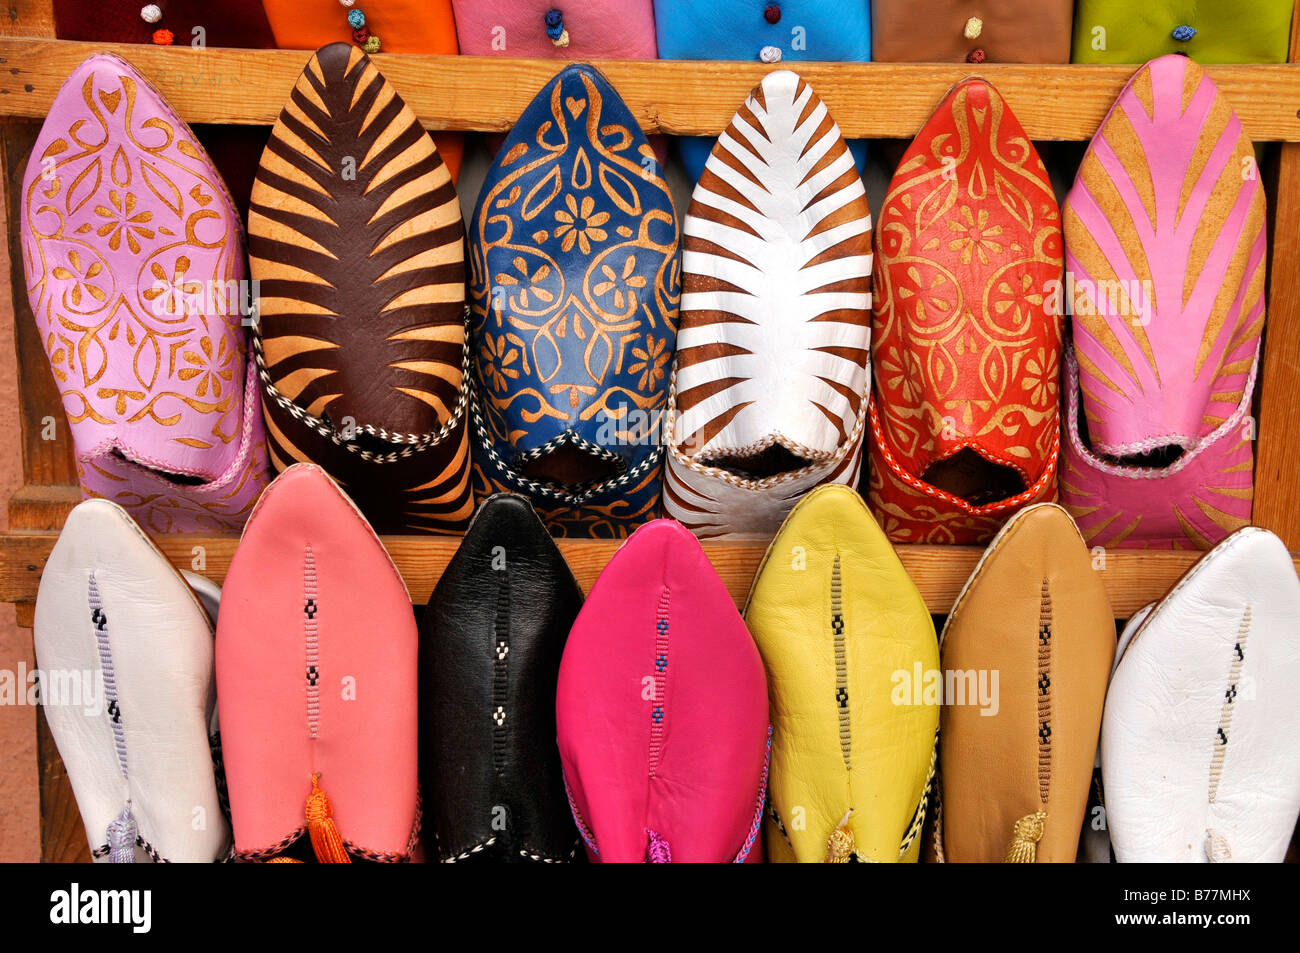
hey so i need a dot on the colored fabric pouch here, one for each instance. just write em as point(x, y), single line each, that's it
point(847, 642)
point(966, 328)
point(316, 670)
point(240, 24)
point(1166, 252)
point(490, 646)
point(768, 396)
point(574, 287)
point(134, 262)
point(124, 650)
point(661, 710)
point(224, 23)
point(1198, 741)
point(792, 31)
point(957, 31)
point(538, 29)
point(355, 235)
point(402, 26)
point(1034, 615)
point(1209, 31)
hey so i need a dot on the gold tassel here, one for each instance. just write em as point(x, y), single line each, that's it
point(325, 838)
point(1024, 841)
point(839, 848)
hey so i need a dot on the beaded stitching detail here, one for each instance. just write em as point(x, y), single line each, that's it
point(661, 681)
point(1229, 698)
point(501, 649)
point(99, 620)
point(841, 662)
point(1044, 693)
point(312, 641)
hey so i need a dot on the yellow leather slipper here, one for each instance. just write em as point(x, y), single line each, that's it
point(848, 644)
point(1027, 652)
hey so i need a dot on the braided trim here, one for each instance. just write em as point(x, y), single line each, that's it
point(266, 853)
point(413, 443)
point(140, 842)
point(780, 827)
point(939, 856)
point(1145, 473)
point(549, 490)
point(758, 808)
point(1032, 491)
point(587, 836)
point(477, 848)
point(573, 852)
point(918, 819)
point(820, 461)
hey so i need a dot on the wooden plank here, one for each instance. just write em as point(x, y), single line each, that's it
point(1277, 458)
point(63, 836)
point(42, 508)
point(29, 18)
point(43, 426)
point(891, 100)
point(1133, 578)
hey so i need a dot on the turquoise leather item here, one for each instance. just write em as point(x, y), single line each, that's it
point(1209, 31)
point(761, 30)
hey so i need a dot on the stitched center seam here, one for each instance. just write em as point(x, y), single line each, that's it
point(1044, 693)
point(310, 608)
point(1229, 702)
point(660, 681)
point(841, 662)
point(500, 671)
point(99, 619)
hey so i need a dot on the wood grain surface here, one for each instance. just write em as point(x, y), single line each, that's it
point(681, 97)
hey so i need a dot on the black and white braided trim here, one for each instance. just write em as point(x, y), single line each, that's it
point(411, 444)
point(551, 491)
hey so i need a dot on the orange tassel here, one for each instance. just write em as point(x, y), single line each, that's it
point(325, 838)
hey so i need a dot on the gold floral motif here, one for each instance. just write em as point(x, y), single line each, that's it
point(122, 222)
point(651, 361)
point(624, 285)
point(580, 224)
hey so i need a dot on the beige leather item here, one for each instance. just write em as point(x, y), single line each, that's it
point(946, 31)
point(1033, 633)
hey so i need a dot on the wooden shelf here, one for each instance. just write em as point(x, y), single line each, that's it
point(1133, 578)
point(680, 97)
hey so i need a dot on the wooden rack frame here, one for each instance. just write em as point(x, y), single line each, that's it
point(872, 100)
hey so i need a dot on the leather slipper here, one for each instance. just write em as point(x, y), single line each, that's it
point(124, 649)
point(490, 646)
point(661, 710)
point(848, 645)
point(768, 398)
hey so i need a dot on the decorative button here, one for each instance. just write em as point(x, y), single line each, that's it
point(1184, 33)
point(770, 54)
point(555, 28)
point(150, 13)
point(772, 13)
point(976, 55)
point(974, 27)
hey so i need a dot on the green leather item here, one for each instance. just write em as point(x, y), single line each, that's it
point(1212, 31)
